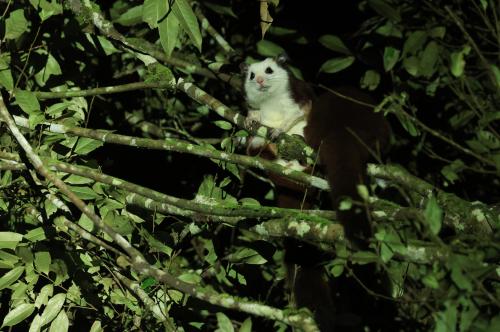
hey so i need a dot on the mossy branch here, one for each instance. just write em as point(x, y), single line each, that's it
point(170, 144)
point(41, 95)
point(462, 216)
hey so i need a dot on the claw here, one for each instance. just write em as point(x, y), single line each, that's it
point(275, 132)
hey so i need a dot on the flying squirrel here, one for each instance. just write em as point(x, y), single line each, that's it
point(277, 100)
point(344, 130)
point(345, 133)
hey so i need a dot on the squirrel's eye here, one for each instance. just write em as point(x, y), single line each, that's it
point(269, 70)
point(252, 76)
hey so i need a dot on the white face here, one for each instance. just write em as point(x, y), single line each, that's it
point(265, 79)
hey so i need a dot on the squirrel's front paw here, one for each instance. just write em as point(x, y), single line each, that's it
point(249, 122)
point(275, 133)
point(251, 118)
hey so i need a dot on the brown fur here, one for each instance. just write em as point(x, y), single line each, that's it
point(332, 127)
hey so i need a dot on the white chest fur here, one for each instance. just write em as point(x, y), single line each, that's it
point(267, 88)
point(281, 113)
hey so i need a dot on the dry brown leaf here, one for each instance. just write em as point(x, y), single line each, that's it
point(265, 17)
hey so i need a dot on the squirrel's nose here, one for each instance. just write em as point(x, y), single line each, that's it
point(259, 79)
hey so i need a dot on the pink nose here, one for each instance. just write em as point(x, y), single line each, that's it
point(260, 79)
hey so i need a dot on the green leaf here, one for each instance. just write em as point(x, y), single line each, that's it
point(219, 9)
point(3, 205)
point(48, 9)
point(43, 296)
point(9, 240)
point(8, 261)
point(248, 256)
point(412, 65)
point(391, 57)
point(77, 179)
point(496, 73)
point(42, 261)
point(334, 43)
point(57, 109)
point(337, 270)
point(389, 29)
point(169, 33)
point(35, 235)
point(225, 182)
point(248, 201)
point(85, 223)
point(337, 267)
point(281, 31)
point(468, 315)
point(446, 320)
point(363, 192)
point(407, 124)
point(131, 17)
point(158, 73)
point(384, 9)
point(488, 139)
point(153, 11)
point(414, 43)
point(190, 278)
point(74, 294)
point(431, 281)
point(450, 172)
point(188, 21)
point(53, 307)
point(16, 24)
point(462, 118)
point(84, 193)
point(460, 279)
point(118, 223)
point(27, 101)
point(18, 314)
point(386, 252)
point(6, 79)
point(36, 324)
point(35, 119)
point(61, 323)
point(268, 48)
point(20, 288)
point(429, 59)
point(370, 80)
point(364, 257)
point(336, 64)
point(107, 45)
point(433, 214)
point(345, 204)
point(59, 267)
point(223, 124)
point(148, 283)
point(96, 327)
point(227, 144)
point(86, 145)
point(457, 61)
point(235, 275)
point(246, 326)
point(51, 68)
point(437, 32)
point(224, 323)
point(10, 277)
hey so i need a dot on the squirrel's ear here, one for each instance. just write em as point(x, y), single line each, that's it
point(243, 67)
point(282, 59)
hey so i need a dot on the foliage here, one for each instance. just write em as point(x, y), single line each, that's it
point(125, 101)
